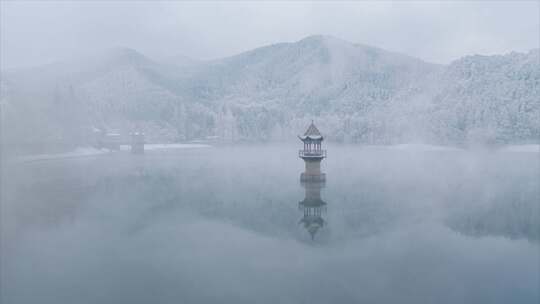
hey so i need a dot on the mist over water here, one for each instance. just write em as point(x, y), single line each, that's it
point(149, 152)
point(223, 224)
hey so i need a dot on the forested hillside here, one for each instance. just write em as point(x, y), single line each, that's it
point(356, 93)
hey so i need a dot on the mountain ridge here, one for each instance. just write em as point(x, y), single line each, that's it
point(357, 93)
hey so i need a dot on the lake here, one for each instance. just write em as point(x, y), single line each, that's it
point(402, 224)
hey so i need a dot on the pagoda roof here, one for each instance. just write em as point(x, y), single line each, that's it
point(312, 133)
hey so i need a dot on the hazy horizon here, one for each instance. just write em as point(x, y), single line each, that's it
point(34, 33)
point(262, 152)
point(170, 59)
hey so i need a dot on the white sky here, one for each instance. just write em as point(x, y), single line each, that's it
point(34, 33)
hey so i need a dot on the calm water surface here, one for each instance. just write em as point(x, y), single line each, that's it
point(225, 225)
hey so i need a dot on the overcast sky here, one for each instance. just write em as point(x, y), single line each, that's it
point(34, 33)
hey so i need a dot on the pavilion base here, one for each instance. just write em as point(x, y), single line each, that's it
point(313, 177)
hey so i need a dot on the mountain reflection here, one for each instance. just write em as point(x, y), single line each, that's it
point(514, 220)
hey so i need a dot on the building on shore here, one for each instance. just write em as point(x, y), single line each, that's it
point(111, 141)
point(137, 143)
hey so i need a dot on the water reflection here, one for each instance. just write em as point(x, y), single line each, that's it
point(312, 180)
point(519, 219)
point(313, 207)
point(200, 228)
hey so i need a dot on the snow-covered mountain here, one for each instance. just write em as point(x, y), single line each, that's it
point(355, 92)
point(490, 98)
point(180, 60)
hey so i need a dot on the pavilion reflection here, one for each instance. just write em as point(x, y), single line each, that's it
point(313, 180)
point(313, 207)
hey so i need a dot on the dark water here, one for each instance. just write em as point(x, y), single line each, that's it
point(224, 225)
